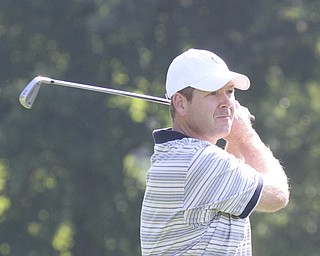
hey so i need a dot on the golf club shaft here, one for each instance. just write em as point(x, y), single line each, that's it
point(111, 91)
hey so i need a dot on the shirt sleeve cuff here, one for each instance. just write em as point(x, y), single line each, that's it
point(253, 201)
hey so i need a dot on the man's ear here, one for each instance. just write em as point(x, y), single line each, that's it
point(179, 102)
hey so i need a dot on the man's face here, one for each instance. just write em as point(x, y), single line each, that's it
point(209, 115)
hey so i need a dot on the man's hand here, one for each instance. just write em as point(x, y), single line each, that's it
point(241, 126)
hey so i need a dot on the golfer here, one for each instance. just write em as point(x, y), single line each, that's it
point(199, 197)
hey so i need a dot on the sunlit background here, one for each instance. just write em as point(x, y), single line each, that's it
point(72, 169)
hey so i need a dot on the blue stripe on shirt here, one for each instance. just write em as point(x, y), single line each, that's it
point(254, 200)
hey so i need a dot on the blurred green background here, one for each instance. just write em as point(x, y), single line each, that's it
point(72, 168)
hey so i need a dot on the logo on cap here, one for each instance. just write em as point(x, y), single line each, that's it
point(216, 60)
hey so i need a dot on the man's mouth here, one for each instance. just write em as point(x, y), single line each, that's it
point(224, 117)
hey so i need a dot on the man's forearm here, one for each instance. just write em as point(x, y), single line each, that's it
point(255, 153)
point(251, 150)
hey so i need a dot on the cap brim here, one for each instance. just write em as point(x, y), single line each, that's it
point(216, 81)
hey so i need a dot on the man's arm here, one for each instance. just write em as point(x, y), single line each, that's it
point(245, 144)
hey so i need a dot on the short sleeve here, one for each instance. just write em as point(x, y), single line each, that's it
point(219, 182)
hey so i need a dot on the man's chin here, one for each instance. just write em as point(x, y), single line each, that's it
point(224, 134)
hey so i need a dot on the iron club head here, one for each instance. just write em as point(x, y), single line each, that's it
point(29, 94)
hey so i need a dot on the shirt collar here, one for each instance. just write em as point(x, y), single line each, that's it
point(165, 135)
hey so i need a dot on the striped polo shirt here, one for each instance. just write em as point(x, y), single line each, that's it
point(197, 200)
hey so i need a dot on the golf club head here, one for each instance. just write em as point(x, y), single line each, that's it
point(29, 94)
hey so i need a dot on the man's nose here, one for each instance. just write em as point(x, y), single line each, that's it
point(226, 101)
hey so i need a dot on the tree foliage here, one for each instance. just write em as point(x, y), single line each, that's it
point(72, 168)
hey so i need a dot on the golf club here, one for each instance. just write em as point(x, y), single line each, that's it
point(29, 94)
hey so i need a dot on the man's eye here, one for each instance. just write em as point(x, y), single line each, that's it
point(212, 93)
point(231, 91)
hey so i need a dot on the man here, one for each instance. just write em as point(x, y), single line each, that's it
point(198, 196)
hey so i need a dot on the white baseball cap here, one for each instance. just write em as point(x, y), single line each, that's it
point(203, 70)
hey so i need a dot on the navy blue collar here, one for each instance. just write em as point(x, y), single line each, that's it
point(165, 135)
